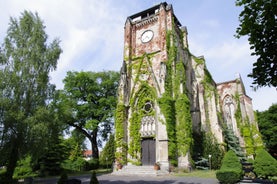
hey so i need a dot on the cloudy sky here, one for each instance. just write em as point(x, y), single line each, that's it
point(91, 34)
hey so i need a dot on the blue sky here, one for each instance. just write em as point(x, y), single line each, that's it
point(91, 34)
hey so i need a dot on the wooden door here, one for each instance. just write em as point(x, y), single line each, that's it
point(148, 151)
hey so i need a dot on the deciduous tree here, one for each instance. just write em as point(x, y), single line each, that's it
point(267, 121)
point(258, 22)
point(25, 62)
point(88, 102)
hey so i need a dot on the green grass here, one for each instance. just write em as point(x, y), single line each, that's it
point(199, 174)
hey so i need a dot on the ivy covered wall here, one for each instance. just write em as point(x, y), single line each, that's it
point(187, 104)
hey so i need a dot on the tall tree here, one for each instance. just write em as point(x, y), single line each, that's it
point(25, 62)
point(258, 21)
point(267, 121)
point(89, 100)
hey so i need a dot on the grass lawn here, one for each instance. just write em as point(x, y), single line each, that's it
point(199, 174)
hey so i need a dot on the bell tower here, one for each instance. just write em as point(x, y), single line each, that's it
point(143, 78)
point(168, 102)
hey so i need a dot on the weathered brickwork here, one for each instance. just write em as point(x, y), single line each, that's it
point(158, 68)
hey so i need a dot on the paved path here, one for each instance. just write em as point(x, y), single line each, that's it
point(111, 179)
point(137, 179)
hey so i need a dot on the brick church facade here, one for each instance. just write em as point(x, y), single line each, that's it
point(167, 97)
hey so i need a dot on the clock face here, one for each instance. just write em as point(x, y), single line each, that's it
point(147, 36)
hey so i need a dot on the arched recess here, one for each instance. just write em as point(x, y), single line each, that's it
point(229, 110)
point(142, 126)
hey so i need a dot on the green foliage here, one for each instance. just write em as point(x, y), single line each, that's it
point(211, 147)
point(230, 170)
point(93, 179)
point(135, 146)
point(93, 164)
point(258, 22)
point(228, 176)
point(202, 163)
point(205, 145)
point(107, 156)
point(232, 141)
point(144, 95)
point(264, 164)
point(25, 62)
point(120, 144)
point(231, 160)
point(184, 125)
point(88, 101)
point(167, 107)
point(79, 164)
point(167, 102)
point(50, 161)
point(23, 168)
point(267, 121)
point(249, 131)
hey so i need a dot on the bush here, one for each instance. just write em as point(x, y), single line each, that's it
point(23, 168)
point(230, 170)
point(265, 165)
point(79, 164)
point(93, 164)
point(228, 176)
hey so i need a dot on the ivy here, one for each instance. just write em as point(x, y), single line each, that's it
point(175, 104)
point(144, 94)
point(184, 125)
point(167, 107)
point(121, 145)
point(199, 61)
point(250, 133)
point(135, 139)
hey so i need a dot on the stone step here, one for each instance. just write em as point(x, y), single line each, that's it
point(136, 170)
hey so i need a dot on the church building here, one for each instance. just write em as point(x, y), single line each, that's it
point(170, 111)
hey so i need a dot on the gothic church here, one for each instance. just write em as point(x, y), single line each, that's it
point(168, 101)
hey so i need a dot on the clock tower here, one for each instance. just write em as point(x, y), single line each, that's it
point(170, 111)
point(145, 137)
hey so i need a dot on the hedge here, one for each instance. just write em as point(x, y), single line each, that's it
point(230, 170)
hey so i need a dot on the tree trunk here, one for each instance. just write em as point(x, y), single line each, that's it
point(12, 160)
point(94, 147)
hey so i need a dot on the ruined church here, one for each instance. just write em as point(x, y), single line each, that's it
point(170, 111)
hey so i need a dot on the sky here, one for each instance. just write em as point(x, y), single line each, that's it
point(91, 35)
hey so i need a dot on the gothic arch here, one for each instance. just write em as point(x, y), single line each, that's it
point(229, 110)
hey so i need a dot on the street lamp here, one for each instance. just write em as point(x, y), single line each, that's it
point(210, 162)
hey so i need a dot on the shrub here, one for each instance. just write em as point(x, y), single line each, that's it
point(23, 168)
point(264, 164)
point(230, 170)
point(228, 176)
point(79, 164)
point(93, 164)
